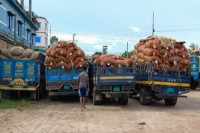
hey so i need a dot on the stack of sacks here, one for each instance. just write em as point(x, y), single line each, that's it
point(163, 52)
point(65, 55)
point(111, 60)
point(19, 53)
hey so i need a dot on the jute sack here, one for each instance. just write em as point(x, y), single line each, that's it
point(6, 53)
point(61, 51)
point(2, 57)
point(81, 64)
point(27, 53)
point(16, 50)
point(16, 57)
point(108, 61)
point(35, 56)
point(61, 44)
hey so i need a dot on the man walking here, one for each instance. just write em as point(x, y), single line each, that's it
point(83, 82)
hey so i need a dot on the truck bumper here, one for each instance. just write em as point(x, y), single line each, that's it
point(75, 93)
point(164, 96)
point(116, 94)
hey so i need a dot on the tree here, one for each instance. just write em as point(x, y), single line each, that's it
point(98, 53)
point(53, 40)
point(192, 47)
point(125, 54)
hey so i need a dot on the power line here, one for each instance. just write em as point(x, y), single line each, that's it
point(176, 30)
point(187, 25)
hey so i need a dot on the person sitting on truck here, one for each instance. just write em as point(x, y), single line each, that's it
point(83, 82)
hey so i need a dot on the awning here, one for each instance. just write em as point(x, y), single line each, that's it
point(10, 13)
point(19, 21)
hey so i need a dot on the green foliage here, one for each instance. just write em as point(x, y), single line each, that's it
point(40, 49)
point(7, 104)
point(192, 47)
point(125, 54)
point(98, 53)
point(53, 40)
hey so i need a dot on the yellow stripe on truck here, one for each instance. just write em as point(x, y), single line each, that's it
point(115, 77)
point(163, 83)
point(2, 87)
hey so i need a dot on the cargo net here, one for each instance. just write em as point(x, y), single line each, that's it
point(150, 71)
point(164, 54)
point(65, 55)
point(112, 63)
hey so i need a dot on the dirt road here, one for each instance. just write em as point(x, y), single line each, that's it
point(66, 117)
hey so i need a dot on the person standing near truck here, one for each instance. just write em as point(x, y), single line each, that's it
point(83, 82)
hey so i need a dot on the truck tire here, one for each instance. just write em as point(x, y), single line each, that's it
point(123, 101)
point(194, 84)
point(145, 96)
point(33, 95)
point(95, 95)
point(171, 102)
point(53, 98)
point(133, 94)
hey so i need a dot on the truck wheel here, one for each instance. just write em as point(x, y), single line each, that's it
point(123, 101)
point(133, 94)
point(53, 98)
point(171, 102)
point(194, 84)
point(33, 95)
point(97, 97)
point(145, 97)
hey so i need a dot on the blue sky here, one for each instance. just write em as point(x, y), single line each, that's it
point(116, 22)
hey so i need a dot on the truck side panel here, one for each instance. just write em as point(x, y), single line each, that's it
point(22, 74)
point(195, 67)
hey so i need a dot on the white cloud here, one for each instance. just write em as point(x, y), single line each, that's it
point(92, 43)
point(88, 39)
point(110, 47)
point(98, 47)
point(62, 36)
point(89, 53)
point(135, 29)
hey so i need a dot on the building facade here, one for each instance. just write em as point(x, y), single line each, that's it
point(41, 39)
point(17, 27)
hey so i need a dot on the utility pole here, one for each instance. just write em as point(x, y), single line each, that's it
point(74, 37)
point(127, 51)
point(153, 30)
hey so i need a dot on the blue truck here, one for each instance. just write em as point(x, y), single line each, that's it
point(195, 70)
point(22, 76)
point(158, 84)
point(61, 81)
point(111, 83)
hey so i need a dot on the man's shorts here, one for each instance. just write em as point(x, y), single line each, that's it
point(82, 92)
